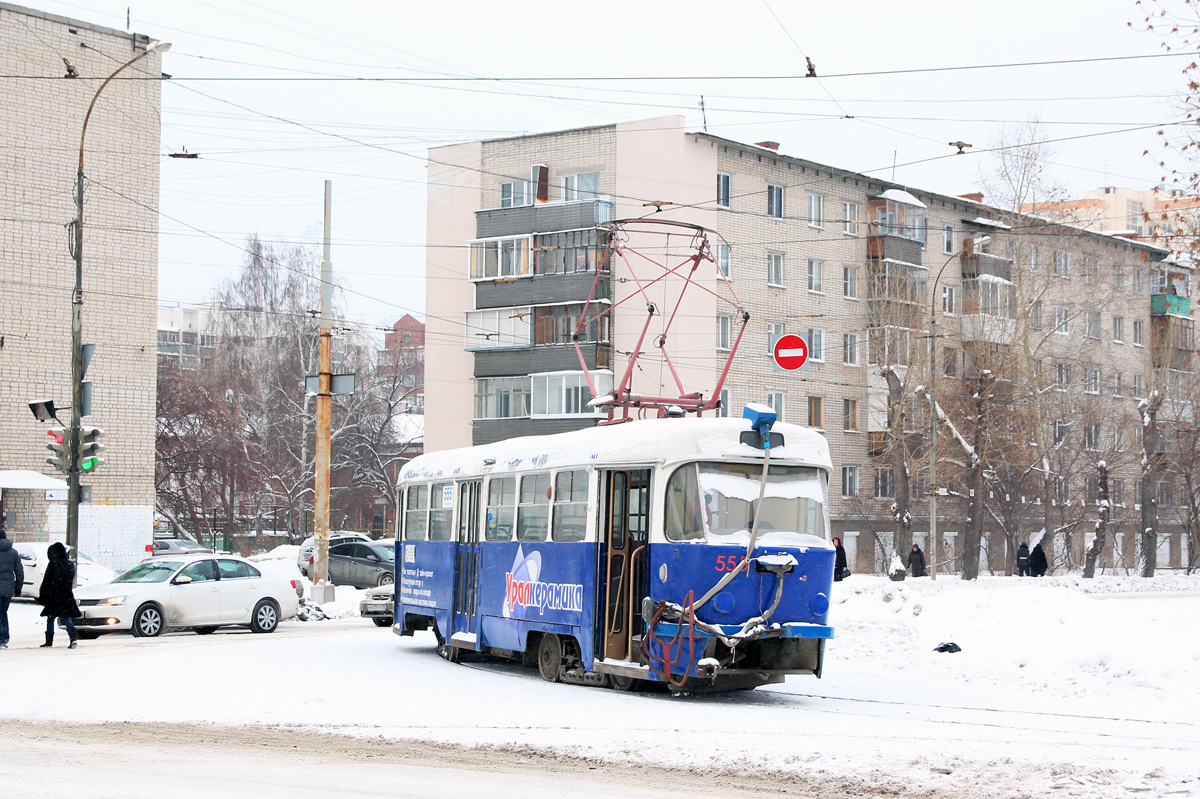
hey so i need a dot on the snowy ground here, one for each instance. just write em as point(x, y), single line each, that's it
point(1086, 688)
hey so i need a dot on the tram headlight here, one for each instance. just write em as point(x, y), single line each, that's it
point(819, 605)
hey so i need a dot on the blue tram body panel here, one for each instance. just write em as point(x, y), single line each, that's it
point(426, 571)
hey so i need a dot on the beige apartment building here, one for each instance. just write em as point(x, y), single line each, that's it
point(55, 67)
point(1164, 217)
point(854, 265)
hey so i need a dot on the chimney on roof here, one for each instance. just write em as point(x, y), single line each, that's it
point(975, 196)
point(770, 145)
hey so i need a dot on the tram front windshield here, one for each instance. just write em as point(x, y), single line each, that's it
point(718, 502)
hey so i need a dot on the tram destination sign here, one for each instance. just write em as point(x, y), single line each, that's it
point(790, 352)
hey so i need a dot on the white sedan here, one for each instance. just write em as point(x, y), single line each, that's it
point(34, 560)
point(200, 592)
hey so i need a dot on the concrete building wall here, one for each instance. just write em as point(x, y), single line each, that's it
point(39, 148)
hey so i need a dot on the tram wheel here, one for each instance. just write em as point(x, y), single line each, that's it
point(450, 654)
point(620, 682)
point(550, 657)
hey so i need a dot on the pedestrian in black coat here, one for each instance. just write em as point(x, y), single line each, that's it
point(1023, 560)
point(840, 567)
point(12, 577)
point(57, 596)
point(1037, 561)
point(916, 561)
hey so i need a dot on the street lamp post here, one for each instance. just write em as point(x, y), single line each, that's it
point(77, 318)
point(970, 244)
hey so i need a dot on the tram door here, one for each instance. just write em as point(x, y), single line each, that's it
point(466, 560)
point(626, 531)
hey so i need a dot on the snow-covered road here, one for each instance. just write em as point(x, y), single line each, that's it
point(1053, 690)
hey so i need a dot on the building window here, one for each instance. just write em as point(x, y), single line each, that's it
point(1062, 320)
point(850, 282)
point(816, 412)
point(849, 481)
point(567, 393)
point(949, 300)
point(815, 203)
point(774, 333)
point(1061, 429)
point(1137, 332)
point(581, 186)
point(557, 324)
point(1139, 281)
point(816, 276)
point(1091, 383)
point(1035, 314)
point(723, 408)
point(850, 349)
point(502, 397)
point(1119, 277)
point(948, 240)
point(1091, 324)
point(885, 483)
point(950, 362)
point(1034, 258)
point(775, 269)
point(1116, 491)
point(1135, 216)
point(1119, 329)
point(1118, 383)
point(850, 415)
point(723, 336)
point(1062, 375)
point(722, 190)
point(499, 258)
point(516, 194)
point(1119, 437)
point(1158, 281)
point(1139, 386)
point(1091, 436)
point(1062, 263)
point(570, 252)
point(816, 344)
point(850, 218)
point(722, 256)
point(775, 403)
point(498, 328)
point(775, 201)
point(1091, 271)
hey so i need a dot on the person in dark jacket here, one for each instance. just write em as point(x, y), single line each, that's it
point(840, 568)
point(56, 595)
point(916, 561)
point(1023, 560)
point(12, 577)
point(1037, 561)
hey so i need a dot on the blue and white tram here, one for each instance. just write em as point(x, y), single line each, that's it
point(694, 552)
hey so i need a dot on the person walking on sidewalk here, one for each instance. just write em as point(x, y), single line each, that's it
point(12, 577)
point(1023, 560)
point(916, 561)
point(56, 596)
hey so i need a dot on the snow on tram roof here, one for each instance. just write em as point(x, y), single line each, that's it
point(645, 441)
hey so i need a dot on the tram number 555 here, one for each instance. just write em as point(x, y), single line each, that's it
point(727, 563)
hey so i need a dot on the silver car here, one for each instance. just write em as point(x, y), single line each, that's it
point(379, 605)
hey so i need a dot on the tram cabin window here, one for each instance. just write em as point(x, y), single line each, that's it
point(718, 502)
point(501, 499)
point(441, 512)
point(570, 506)
point(533, 512)
point(416, 514)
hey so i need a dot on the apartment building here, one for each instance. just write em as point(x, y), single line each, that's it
point(856, 266)
point(39, 151)
point(1164, 217)
point(187, 335)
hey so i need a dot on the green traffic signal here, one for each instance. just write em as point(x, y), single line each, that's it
point(89, 448)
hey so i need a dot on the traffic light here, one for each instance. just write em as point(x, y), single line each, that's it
point(61, 448)
point(89, 449)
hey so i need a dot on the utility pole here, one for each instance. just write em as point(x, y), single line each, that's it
point(322, 591)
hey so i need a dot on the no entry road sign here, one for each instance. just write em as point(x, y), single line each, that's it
point(791, 352)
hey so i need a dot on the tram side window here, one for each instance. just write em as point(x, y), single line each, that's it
point(441, 513)
point(685, 512)
point(533, 513)
point(570, 505)
point(416, 514)
point(502, 496)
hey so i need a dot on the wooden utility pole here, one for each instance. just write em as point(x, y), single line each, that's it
point(322, 591)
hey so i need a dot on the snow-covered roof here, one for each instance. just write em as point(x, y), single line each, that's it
point(647, 441)
point(901, 196)
point(23, 479)
point(409, 427)
point(983, 221)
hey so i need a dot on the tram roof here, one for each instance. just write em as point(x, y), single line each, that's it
point(646, 441)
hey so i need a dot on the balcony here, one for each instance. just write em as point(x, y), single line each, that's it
point(987, 328)
point(888, 245)
point(1170, 305)
point(981, 264)
point(542, 218)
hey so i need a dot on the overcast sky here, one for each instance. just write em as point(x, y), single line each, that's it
point(266, 146)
